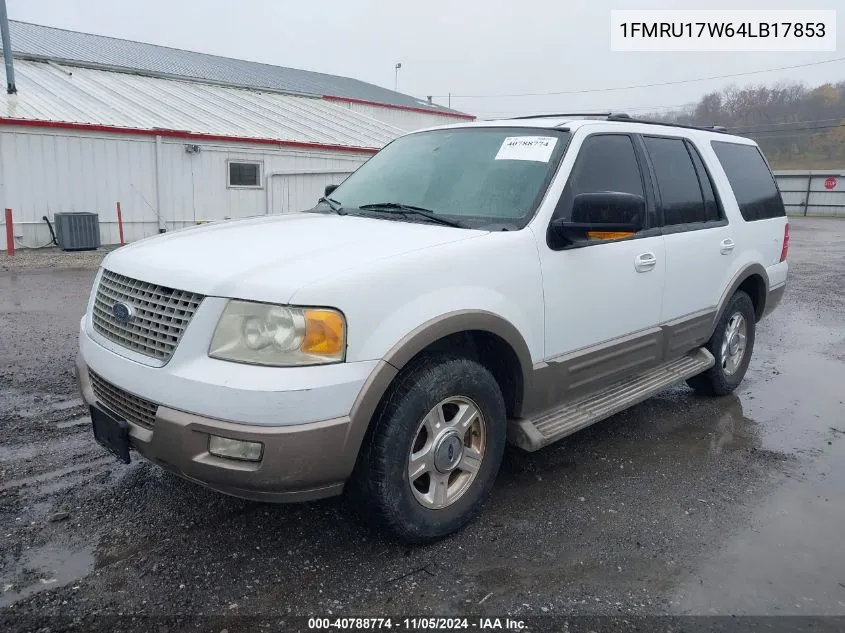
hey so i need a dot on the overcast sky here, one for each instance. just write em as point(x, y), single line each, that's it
point(466, 47)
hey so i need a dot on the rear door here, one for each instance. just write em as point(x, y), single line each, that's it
point(700, 243)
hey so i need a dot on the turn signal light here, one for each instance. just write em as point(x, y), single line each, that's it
point(607, 235)
point(324, 333)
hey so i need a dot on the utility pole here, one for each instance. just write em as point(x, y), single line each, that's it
point(7, 49)
point(395, 75)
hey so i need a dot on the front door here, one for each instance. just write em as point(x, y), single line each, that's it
point(603, 300)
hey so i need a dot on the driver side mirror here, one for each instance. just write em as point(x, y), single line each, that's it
point(329, 190)
point(600, 215)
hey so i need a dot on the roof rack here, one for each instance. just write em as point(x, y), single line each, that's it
point(628, 119)
point(620, 116)
point(565, 114)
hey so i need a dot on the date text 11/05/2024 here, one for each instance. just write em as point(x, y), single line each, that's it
point(723, 29)
point(416, 624)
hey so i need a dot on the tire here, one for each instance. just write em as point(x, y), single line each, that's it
point(726, 374)
point(404, 427)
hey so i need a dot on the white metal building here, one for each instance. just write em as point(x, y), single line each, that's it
point(178, 137)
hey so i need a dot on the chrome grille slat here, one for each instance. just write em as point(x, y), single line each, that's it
point(129, 406)
point(161, 314)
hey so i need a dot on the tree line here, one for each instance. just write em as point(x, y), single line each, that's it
point(796, 127)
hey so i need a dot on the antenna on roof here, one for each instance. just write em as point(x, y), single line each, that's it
point(7, 49)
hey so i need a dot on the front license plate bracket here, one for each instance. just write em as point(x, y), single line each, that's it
point(111, 432)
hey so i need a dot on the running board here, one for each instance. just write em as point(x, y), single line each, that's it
point(534, 433)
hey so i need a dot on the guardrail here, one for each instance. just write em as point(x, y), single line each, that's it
point(813, 191)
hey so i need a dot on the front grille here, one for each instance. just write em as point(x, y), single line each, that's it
point(161, 314)
point(128, 406)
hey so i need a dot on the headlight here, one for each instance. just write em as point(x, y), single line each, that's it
point(266, 334)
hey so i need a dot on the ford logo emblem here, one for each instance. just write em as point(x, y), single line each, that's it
point(123, 312)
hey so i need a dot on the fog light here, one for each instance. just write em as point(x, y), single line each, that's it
point(235, 449)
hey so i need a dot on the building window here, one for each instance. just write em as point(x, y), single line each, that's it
point(244, 174)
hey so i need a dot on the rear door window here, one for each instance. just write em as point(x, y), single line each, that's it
point(681, 195)
point(751, 180)
point(712, 208)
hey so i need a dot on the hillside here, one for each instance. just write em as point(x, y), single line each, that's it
point(797, 127)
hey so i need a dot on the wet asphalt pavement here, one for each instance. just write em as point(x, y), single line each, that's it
point(681, 505)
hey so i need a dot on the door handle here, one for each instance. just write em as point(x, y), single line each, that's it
point(726, 246)
point(645, 262)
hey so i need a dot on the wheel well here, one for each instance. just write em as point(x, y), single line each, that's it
point(755, 287)
point(494, 353)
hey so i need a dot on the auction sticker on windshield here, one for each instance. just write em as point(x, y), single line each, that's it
point(536, 148)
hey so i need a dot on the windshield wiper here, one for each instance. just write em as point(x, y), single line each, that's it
point(396, 207)
point(334, 205)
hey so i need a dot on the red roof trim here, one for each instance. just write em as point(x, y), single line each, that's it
point(453, 115)
point(113, 129)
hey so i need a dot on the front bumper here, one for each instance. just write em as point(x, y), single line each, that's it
point(303, 458)
point(300, 462)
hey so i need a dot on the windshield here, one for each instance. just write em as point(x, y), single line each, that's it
point(478, 177)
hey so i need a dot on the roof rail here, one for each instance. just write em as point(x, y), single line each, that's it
point(620, 116)
point(628, 119)
point(566, 114)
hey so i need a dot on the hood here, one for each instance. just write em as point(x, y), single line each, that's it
point(268, 258)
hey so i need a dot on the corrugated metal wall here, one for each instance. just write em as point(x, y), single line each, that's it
point(44, 172)
point(289, 191)
point(404, 119)
point(813, 192)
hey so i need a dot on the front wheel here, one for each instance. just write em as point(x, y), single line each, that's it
point(429, 462)
point(731, 345)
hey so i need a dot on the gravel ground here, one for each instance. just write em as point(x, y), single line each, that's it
point(680, 505)
point(34, 259)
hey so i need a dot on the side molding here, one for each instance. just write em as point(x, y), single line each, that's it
point(590, 370)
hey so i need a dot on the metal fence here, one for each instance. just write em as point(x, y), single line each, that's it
point(813, 192)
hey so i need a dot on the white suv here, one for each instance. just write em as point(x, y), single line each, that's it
point(469, 285)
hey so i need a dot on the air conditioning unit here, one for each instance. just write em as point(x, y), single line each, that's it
point(77, 231)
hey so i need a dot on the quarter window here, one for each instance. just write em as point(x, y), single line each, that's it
point(606, 162)
point(681, 194)
point(244, 174)
point(752, 183)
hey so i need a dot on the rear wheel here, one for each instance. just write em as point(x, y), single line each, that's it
point(430, 459)
point(731, 345)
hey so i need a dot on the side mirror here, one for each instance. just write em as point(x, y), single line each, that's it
point(329, 190)
point(603, 212)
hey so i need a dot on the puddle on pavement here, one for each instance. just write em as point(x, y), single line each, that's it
point(790, 552)
point(796, 396)
point(732, 430)
point(697, 425)
point(42, 568)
